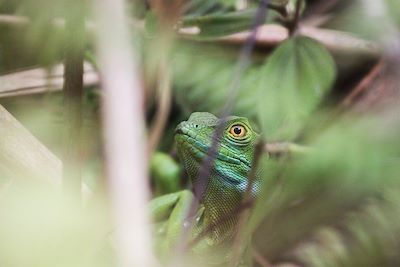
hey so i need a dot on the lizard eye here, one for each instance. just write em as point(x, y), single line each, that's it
point(238, 131)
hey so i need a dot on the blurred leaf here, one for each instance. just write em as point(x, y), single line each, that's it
point(228, 2)
point(202, 77)
point(368, 237)
point(293, 81)
point(368, 19)
point(212, 26)
point(393, 6)
point(346, 167)
point(166, 174)
point(41, 228)
point(202, 7)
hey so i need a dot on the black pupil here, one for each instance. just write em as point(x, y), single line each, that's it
point(237, 130)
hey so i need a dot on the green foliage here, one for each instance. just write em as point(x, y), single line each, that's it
point(166, 174)
point(393, 7)
point(202, 78)
point(42, 228)
point(293, 81)
point(346, 167)
point(216, 19)
point(380, 16)
point(221, 24)
point(336, 205)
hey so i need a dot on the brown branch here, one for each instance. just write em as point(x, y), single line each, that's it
point(247, 197)
point(163, 108)
point(341, 42)
point(284, 148)
point(14, 20)
point(363, 85)
point(293, 24)
point(260, 259)
point(23, 156)
point(271, 35)
point(279, 8)
point(41, 80)
point(73, 93)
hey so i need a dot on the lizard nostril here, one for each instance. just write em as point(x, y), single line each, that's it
point(197, 126)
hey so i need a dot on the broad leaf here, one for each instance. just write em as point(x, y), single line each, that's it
point(292, 83)
point(216, 25)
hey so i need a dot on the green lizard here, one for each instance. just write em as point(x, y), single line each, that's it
point(223, 193)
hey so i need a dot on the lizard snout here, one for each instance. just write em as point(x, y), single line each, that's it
point(180, 128)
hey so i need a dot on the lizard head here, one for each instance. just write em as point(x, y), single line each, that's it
point(234, 155)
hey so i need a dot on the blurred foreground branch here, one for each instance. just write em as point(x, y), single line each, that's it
point(73, 93)
point(124, 133)
point(41, 80)
point(271, 35)
point(22, 155)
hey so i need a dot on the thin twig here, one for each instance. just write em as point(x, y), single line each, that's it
point(73, 92)
point(283, 148)
point(14, 20)
point(206, 166)
point(279, 8)
point(292, 25)
point(243, 217)
point(24, 156)
point(164, 102)
point(364, 83)
point(41, 80)
point(260, 259)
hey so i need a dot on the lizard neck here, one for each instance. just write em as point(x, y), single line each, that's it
point(221, 202)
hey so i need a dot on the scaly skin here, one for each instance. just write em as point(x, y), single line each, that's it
point(224, 189)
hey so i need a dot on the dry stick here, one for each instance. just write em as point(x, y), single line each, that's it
point(169, 14)
point(279, 8)
point(239, 237)
point(206, 166)
point(164, 104)
point(73, 92)
point(14, 20)
point(284, 148)
point(365, 82)
point(292, 26)
point(41, 80)
point(24, 156)
point(124, 134)
point(260, 259)
point(270, 35)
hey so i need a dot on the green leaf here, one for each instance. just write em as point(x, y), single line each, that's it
point(166, 174)
point(393, 7)
point(228, 2)
point(292, 83)
point(212, 26)
point(280, 2)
